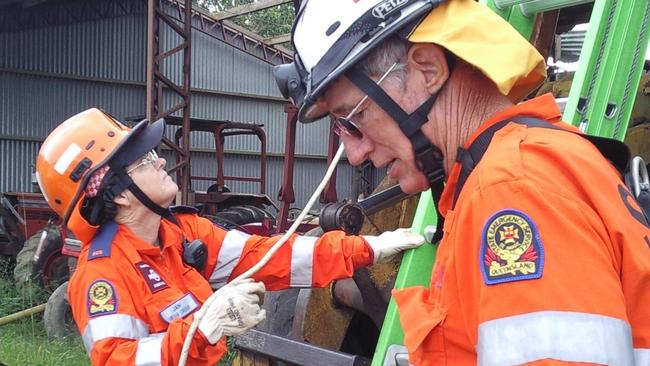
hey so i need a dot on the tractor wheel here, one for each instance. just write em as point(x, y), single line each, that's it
point(58, 319)
point(23, 272)
point(50, 268)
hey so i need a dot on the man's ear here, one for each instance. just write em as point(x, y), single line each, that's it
point(122, 199)
point(428, 60)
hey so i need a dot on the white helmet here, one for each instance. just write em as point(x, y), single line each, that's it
point(330, 36)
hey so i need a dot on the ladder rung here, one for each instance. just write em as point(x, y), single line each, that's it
point(531, 7)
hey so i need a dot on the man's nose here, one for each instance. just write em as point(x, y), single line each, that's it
point(357, 150)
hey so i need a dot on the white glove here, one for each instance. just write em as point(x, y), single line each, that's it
point(389, 243)
point(235, 310)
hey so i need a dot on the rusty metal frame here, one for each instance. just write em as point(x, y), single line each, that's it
point(181, 19)
point(156, 79)
point(329, 193)
point(236, 129)
point(220, 130)
point(229, 33)
point(286, 196)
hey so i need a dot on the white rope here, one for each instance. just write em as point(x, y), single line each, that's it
point(267, 256)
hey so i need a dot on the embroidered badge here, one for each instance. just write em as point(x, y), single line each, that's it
point(153, 279)
point(510, 248)
point(102, 298)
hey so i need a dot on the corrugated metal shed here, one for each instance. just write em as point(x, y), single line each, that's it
point(16, 162)
point(571, 45)
point(32, 105)
point(51, 72)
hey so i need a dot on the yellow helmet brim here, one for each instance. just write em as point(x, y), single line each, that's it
point(480, 37)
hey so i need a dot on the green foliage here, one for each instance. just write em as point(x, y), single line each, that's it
point(230, 356)
point(7, 265)
point(12, 299)
point(268, 22)
point(24, 341)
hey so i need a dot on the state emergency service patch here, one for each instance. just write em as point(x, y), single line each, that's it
point(102, 298)
point(510, 248)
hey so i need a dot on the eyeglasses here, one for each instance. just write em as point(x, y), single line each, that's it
point(345, 124)
point(150, 158)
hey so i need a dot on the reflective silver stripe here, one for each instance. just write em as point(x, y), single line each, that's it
point(302, 260)
point(149, 350)
point(229, 254)
point(113, 326)
point(641, 356)
point(564, 336)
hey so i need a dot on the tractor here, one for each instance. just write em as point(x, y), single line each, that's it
point(29, 235)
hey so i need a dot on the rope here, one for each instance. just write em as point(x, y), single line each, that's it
point(268, 255)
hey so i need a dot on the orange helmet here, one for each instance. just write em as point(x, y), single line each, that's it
point(80, 146)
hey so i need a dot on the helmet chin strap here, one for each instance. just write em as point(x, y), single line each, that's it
point(125, 182)
point(429, 158)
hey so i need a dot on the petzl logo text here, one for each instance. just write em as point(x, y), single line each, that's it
point(385, 8)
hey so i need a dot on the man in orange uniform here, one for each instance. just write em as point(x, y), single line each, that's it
point(544, 257)
point(145, 270)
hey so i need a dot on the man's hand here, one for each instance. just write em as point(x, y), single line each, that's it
point(235, 310)
point(388, 244)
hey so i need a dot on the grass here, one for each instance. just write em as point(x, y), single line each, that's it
point(24, 342)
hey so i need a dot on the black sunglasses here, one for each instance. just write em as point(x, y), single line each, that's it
point(345, 124)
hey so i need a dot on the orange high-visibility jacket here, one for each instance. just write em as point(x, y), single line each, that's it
point(545, 258)
point(133, 302)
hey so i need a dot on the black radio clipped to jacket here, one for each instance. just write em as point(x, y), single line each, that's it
point(195, 254)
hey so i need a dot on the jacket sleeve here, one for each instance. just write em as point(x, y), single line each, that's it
point(303, 261)
point(548, 278)
point(114, 331)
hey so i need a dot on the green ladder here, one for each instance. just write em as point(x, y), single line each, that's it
point(600, 103)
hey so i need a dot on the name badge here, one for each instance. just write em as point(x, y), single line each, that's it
point(180, 308)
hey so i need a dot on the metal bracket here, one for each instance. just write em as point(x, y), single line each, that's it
point(429, 231)
point(639, 172)
point(397, 355)
point(294, 352)
point(10, 207)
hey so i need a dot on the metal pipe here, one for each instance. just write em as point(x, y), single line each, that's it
point(329, 193)
point(346, 292)
point(22, 314)
point(382, 200)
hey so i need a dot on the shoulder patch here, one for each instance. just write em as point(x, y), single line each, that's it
point(100, 246)
point(184, 209)
point(511, 249)
point(102, 298)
